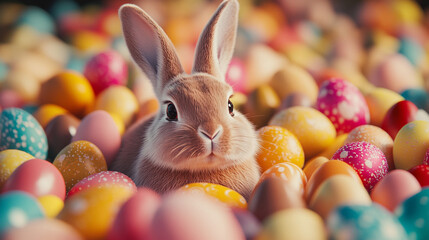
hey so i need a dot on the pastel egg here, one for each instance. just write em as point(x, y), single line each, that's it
point(100, 179)
point(248, 222)
point(38, 178)
point(9, 160)
point(364, 222)
point(118, 100)
point(17, 210)
point(236, 75)
point(314, 130)
point(38, 19)
point(106, 69)
point(78, 160)
point(19, 130)
point(313, 165)
point(289, 172)
point(261, 105)
point(278, 145)
point(414, 216)
point(343, 104)
point(421, 172)
point(88, 41)
point(47, 112)
point(394, 188)
point(379, 101)
point(60, 131)
point(376, 136)
point(51, 204)
point(70, 90)
point(366, 159)
point(10, 98)
point(398, 115)
point(411, 136)
point(134, 218)
point(91, 212)
point(218, 192)
point(412, 50)
point(99, 128)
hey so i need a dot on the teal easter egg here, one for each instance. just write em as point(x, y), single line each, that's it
point(17, 209)
point(38, 19)
point(4, 69)
point(412, 50)
point(20, 130)
point(413, 214)
point(62, 7)
point(364, 223)
point(417, 96)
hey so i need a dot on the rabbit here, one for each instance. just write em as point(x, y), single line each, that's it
point(196, 136)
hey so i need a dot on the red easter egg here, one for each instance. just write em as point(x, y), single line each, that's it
point(236, 75)
point(38, 178)
point(397, 116)
point(421, 172)
point(100, 179)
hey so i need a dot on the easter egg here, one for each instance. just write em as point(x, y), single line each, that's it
point(417, 96)
point(313, 130)
point(19, 130)
point(38, 19)
point(248, 222)
point(189, 216)
point(413, 215)
point(278, 145)
point(295, 99)
point(397, 116)
point(336, 191)
point(290, 224)
point(366, 159)
point(99, 128)
point(38, 178)
point(78, 160)
point(104, 178)
point(313, 165)
point(51, 204)
point(70, 90)
point(47, 112)
point(106, 69)
point(236, 75)
point(60, 131)
point(88, 41)
point(134, 218)
point(379, 101)
point(376, 136)
point(18, 209)
point(343, 104)
point(9, 160)
point(421, 172)
point(411, 136)
point(412, 50)
point(92, 211)
point(261, 105)
point(338, 142)
point(394, 188)
point(218, 192)
point(289, 172)
point(9, 98)
point(364, 222)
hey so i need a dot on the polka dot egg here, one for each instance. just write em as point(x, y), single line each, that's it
point(20, 130)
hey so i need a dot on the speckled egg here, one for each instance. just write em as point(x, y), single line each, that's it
point(366, 159)
point(100, 179)
point(78, 160)
point(421, 172)
point(343, 104)
point(222, 194)
point(19, 130)
point(365, 223)
point(289, 172)
point(9, 160)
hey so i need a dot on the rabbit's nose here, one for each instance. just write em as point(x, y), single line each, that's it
point(211, 135)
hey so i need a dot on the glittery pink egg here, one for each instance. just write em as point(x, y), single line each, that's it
point(367, 159)
point(104, 178)
point(343, 104)
point(236, 75)
point(106, 69)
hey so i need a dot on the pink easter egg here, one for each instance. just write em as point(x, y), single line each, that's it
point(100, 179)
point(236, 75)
point(9, 98)
point(106, 69)
point(366, 159)
point(343, 104)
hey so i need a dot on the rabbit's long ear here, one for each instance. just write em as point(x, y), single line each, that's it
point(216, 44)
point(149, 46)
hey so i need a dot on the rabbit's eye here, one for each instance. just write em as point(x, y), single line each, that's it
point(230, 108)
point(171, 112)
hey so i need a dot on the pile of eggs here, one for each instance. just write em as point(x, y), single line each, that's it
point(338, 96)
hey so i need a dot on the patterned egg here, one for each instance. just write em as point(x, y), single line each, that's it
point(38, 178)
point(366, 159)
point(313, 164)
point(51, 204)
point(19, 130)
point(60, 131)
point(343, 104)
point(421, 172)
point(9, 160)
point(289, 172)
point(364, 222)
point(18, 209)
point(91, 212)
point(398, 115)
point(100, 179)
point(47, 112)
point(278, 145)
point(99, 128)
point(78, 160)
point(106, 69)
point(411, 136)
point(414, 215)
point(379, 101)
point(314, 130)
point(236, 75)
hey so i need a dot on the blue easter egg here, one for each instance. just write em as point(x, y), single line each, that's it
point(417, 96)
point(17, 208)
point(413, 214)
point(38, 19)
point(20, 130)
point(61, 8)
point(364, 222)
point(411, 50)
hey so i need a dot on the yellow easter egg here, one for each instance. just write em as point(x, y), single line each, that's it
point(47, 112)
point(278, 145)
point(118, 122)
point(223, 194)
point(338, 142)
point(10, 159)
point(51, 204)
point(88, 41)
point(314, 130)
point(379, 101)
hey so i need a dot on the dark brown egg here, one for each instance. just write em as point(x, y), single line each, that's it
point(59, 132)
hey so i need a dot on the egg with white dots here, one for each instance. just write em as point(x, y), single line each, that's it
point(20, 130)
